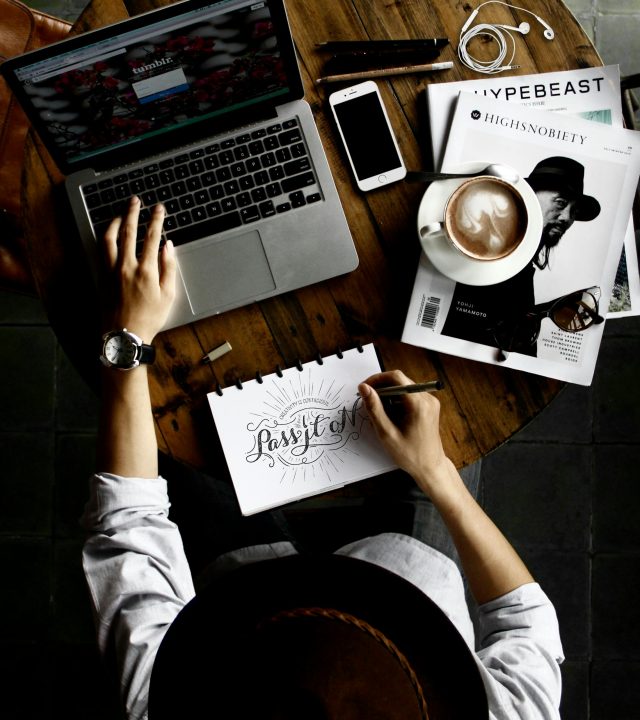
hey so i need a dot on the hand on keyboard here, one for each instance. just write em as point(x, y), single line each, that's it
point(210, 189)
point(139, 288)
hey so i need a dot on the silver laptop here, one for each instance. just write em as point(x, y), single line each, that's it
point(199, 106)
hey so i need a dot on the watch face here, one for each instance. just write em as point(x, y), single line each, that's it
point(120, 351)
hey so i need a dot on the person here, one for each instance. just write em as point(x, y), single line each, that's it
point(558, 183)
point(378, 629)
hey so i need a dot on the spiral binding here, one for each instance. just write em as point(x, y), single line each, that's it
point(279, 372)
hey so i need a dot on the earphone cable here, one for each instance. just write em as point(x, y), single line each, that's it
point(497, 32)
point(488, 67)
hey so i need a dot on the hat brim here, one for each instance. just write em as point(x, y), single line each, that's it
point(587, 207)
point(200, 659)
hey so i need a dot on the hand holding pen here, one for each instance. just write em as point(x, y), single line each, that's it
point(411, 436)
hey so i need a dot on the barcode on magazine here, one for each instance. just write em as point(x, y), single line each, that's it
point(430, 312)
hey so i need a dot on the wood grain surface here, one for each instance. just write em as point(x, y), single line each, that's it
point(482, 405)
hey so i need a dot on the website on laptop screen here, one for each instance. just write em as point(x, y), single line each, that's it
point(169, 74)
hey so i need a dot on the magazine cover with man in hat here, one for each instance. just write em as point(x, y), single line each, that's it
point(592, 93)
point(543, 312)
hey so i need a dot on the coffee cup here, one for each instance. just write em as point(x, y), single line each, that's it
point(485, 218)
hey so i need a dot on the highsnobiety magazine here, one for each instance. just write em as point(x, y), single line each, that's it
point(592, 93)
point(597, 166)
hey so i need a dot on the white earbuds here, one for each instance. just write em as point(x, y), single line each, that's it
point(495, 32)
point(523, 28)
point(548, 30)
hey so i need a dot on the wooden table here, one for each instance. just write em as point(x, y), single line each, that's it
point(482, 405)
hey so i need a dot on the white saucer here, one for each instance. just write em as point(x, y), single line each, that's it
point(454, 264)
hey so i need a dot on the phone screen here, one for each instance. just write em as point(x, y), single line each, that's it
point(367, 136)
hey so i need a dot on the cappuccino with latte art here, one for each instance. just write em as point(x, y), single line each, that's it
point(485, 218)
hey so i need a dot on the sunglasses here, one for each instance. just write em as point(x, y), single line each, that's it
point(572, 313)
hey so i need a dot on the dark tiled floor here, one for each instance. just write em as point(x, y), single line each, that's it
point(566, 490)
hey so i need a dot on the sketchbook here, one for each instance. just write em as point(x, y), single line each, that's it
point(299, 432)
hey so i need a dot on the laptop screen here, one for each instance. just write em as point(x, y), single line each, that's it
point(170, 73)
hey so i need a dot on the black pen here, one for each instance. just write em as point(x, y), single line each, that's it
point(357, 61)
point(431, 386)
point(379, 45)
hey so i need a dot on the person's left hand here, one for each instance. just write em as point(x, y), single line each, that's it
point(139, 291)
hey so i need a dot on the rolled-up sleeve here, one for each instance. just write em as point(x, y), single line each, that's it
point(517, 639)
point(520, 652)
point(137, 573)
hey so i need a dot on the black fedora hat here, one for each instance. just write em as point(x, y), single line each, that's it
point(566, 174)
point(319, 638)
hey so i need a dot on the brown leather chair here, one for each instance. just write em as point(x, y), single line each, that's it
point(21, 30)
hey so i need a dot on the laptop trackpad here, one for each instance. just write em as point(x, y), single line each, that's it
point(225, 272)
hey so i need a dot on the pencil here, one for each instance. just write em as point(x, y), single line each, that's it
point(365, 61)
point(385, 72)
point(407, 389)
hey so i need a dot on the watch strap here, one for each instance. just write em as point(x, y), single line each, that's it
point(147, 354)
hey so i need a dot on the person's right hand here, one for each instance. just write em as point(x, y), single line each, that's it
point(413, 440)
point(491, 566)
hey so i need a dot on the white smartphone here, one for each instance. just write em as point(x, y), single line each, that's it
point(366, 132)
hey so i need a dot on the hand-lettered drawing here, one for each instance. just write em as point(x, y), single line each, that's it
point(305, 429)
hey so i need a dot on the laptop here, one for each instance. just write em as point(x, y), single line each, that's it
point(199, 106)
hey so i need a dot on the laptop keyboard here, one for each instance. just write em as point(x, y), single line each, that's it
point(207, 190)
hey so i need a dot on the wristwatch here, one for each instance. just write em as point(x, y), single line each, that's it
point(124, 350)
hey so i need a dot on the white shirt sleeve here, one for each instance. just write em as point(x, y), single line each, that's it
point(520, 652)
point(518, 639)
point(137, 573)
